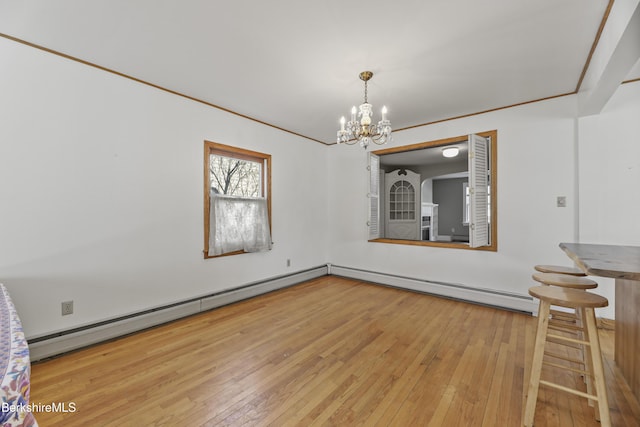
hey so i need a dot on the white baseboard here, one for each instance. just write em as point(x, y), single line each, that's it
point(482, 296)
point(252, 290)
point(65, 341)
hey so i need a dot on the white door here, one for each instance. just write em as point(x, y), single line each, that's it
point(402, 194)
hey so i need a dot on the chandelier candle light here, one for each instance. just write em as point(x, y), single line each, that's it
point(363, 131)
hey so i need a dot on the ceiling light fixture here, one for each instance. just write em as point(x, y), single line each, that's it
point(363, 131)
point(450, 151)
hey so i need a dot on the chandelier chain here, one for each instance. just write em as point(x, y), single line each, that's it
point(365, 91)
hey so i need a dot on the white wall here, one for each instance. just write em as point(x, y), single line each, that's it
point(536, 148)
point(101, 189)
point(609, 171)
point(609, 157)
point(544, 151)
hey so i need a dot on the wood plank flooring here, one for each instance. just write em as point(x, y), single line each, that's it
point(329, 352)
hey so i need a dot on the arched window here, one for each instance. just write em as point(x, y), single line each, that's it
point(402, 199)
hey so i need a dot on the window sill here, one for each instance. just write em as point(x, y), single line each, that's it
point(451, 245)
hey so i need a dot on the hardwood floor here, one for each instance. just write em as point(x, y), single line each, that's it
point(331, 351)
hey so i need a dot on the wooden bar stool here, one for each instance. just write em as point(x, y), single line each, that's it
point(566, 277)
point(568, 322)
point(559, 269)
point(565, 281)
point(584, 303)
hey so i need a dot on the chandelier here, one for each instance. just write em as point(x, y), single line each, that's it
point(364, 131)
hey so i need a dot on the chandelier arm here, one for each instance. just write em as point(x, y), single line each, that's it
point(379, 139)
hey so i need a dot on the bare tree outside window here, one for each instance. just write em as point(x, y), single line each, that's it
point(234, 177)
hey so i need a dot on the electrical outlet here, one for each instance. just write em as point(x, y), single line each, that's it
point(67, 308)
point(288, 262)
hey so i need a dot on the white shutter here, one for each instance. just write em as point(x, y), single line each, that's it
point(374, 196)
point(478, 191)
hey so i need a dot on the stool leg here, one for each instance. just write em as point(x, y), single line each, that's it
point(588, 361)
point(536, 364)
point(598, 369)
point(585, 349)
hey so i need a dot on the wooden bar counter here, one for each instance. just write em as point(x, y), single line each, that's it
point(623, 264)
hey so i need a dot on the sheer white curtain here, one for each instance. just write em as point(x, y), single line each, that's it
point(238, 223)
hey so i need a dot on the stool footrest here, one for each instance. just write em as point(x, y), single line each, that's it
point(565, 329)
point(563, 314)
point(565, 358)
point(569, 390)
point(565, 325)
point(577, 371)
point(567, 339)
point(564, 343)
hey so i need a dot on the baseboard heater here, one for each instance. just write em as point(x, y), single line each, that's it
point(46, 346)
point(49, 345)
point(489, 297)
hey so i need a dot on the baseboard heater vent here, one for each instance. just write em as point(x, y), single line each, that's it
point(489, 297)
point(50, 345)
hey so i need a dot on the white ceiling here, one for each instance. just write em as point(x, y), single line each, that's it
point(294, 64)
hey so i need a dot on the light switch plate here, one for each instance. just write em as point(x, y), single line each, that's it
point(562, 201)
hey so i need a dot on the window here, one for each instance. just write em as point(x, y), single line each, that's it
point(237, 202)
point(435, 213)
point(401, 201)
